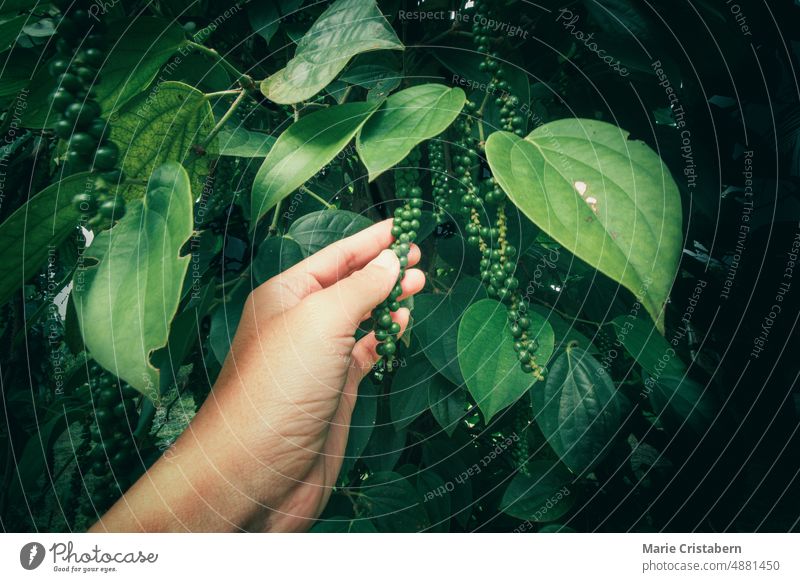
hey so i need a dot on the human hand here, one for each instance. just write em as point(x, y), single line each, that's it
point(266, 447)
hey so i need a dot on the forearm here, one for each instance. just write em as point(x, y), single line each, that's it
point(200, 485)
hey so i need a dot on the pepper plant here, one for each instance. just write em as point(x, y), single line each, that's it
point(163, 160)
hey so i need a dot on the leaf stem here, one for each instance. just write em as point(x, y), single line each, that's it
point(569, 317)
point(317, 197)
point(209, 96)
point(243, 79)
point(273, 227)
point(479, 112)
point(224, 119)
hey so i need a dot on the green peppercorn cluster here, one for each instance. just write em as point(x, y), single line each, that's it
point(404, 230)
point(113, 420)
point(521, 453)
point(440, 186)
point(510, 120)
point(484, 207)
point(80, 52)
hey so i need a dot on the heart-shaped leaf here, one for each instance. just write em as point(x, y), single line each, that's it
point(126, 301)
point(542, 495)
point(406, 119)
point(392, 503)
point(317, 230)
point(610, 201)
point(345, 29)
point(487, 358)
point(577, 409)
point(302, 150)
point(275, 255)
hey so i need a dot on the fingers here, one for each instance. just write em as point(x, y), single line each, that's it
point(364, 354)
point(412, 283)
point(325, 268)
point(343, 257)
point(342, 305)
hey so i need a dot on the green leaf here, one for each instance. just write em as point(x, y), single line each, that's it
point(391, 503)
point(317, 230)
point(379, 72)
point(487, 358)
point(610, 201)
point(303, 150)
point(265, 16)
point(577, 409)
point(406, 119)
point(36, 228)
point(556, 528)
point(141, 46)
point(345, 29)
point(36, 458)
point(127, 300)
point(17, 73)
point(275, 255)
point(436, 319)
point(447, 402)
point(436, 499)
point(647, 346)
point(362, 423)
point(680, 402)
point(409, 396)
point(241, 142)
point(162, 127)
point(17, 5)
point(10, 29)
point(385, 447)
point(542, 495)
point(343, 525)
point(676, 399)
point(564, 331)
point(225, 321)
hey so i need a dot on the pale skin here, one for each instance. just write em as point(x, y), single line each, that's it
point(265, 449)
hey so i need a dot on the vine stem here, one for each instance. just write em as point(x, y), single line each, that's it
point(273, 227)
point(568, 317)
point(224, 119)
point(479, 112)
point(317, 197)
point(209, 96)
point(245, 80)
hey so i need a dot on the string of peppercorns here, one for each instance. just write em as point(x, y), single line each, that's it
point(405, 227)
point(113, 420)
point(439, 183)
point(80, 52)
point(498, 262)
point(521, 451)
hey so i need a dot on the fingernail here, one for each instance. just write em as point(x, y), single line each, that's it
point(386, 260)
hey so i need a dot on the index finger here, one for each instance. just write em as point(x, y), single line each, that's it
point(343, 257)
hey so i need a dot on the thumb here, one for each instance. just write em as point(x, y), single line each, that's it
point(346, 302)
